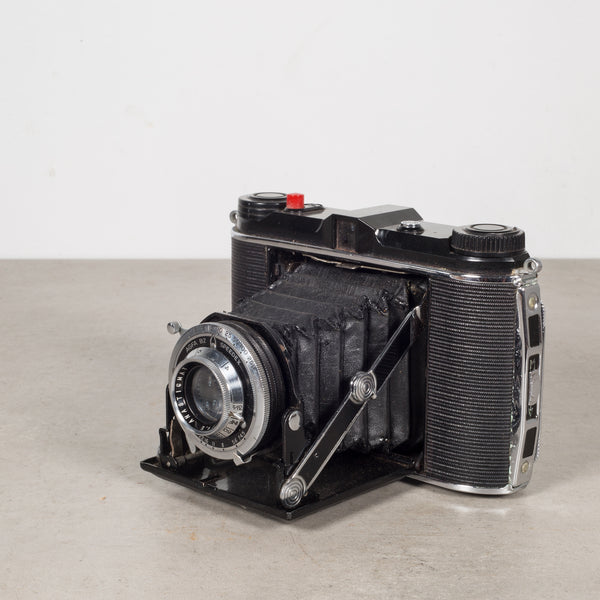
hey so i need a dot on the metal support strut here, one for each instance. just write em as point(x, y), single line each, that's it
point(363, 387)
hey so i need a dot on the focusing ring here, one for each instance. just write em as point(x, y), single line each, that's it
point(272, 372)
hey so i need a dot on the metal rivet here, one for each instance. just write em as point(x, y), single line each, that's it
point(533, 302)
point(411, 225)
point(295, 420)
point(292, 492)
point(363, 386)
point(525, 467)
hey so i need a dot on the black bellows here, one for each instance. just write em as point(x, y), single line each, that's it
point(335, 322)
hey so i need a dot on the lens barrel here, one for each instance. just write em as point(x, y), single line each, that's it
point(226, 388)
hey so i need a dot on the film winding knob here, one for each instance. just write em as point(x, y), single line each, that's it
point(488, 240)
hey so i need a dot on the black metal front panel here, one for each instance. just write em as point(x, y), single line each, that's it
point(249, 269)
point(471, 361)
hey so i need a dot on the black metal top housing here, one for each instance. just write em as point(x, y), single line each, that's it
point(389, 232)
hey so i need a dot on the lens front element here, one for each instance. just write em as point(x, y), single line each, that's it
point(206, 396)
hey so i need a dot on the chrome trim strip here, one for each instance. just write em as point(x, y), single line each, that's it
point(469, 489)
point(529, 305)
point(361, 260)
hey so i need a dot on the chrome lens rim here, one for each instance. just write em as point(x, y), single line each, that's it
point(250, 429)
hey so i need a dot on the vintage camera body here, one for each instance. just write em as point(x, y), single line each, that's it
point(362, 347)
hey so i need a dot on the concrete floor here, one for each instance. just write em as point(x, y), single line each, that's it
point(83, 360)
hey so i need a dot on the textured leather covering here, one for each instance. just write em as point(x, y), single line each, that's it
point(249, 269)
point(471, 362)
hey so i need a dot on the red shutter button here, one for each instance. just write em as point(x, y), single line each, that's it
point(295, 201)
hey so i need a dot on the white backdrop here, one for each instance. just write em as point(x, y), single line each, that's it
point(129, 128)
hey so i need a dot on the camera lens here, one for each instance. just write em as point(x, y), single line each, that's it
point(226, 389)
point(206, 395)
